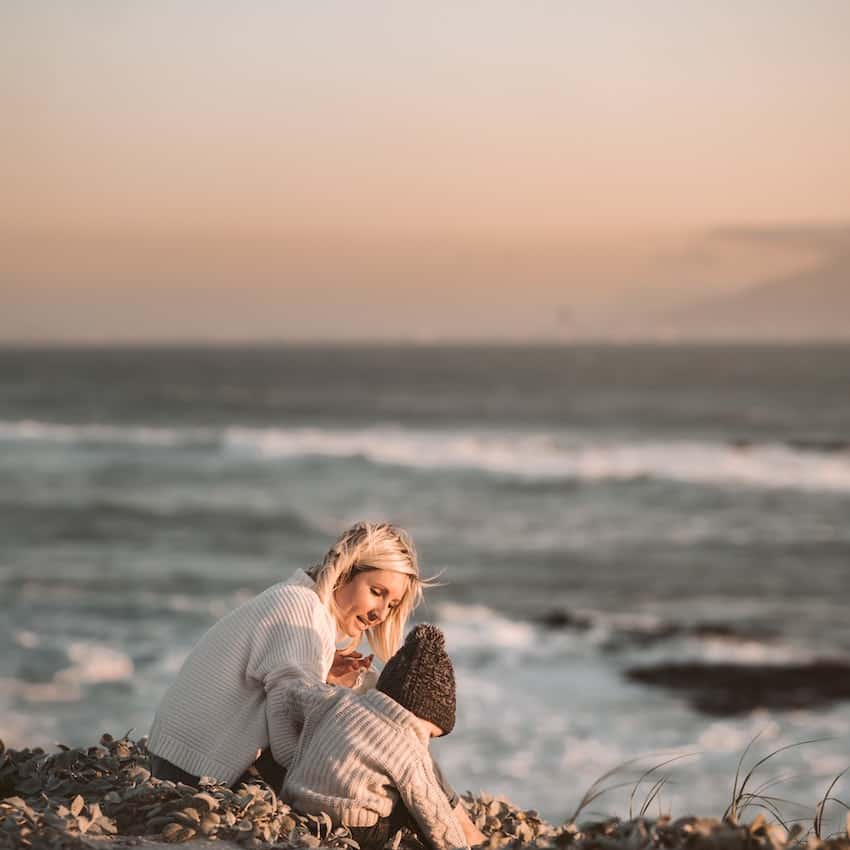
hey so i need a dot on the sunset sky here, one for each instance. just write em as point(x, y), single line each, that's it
point(209, 171)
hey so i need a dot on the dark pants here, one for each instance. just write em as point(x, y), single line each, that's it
point(375, 837)
point(267, 768)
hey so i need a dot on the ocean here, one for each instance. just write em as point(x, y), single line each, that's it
point(644, 550)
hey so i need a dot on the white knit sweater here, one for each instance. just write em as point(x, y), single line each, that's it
point(224, 705)
point(357, 755)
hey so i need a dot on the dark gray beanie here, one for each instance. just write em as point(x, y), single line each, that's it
point(421, 678)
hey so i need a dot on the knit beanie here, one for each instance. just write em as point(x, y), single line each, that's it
point(421, 678)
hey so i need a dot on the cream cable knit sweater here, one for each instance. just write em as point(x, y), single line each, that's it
point(356, 756)
point(224, 705)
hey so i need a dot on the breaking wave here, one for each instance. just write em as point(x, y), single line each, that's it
point(530, 455)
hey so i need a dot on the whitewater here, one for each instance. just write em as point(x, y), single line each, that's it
point(532, 455)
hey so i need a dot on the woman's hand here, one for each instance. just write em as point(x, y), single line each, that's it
point(346, 668)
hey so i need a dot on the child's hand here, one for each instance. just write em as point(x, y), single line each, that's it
point(345, 669)
point(365, 661)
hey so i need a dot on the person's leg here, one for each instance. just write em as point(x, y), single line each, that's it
point(269, 771)
point(375, 837)
point(372, 837)
point(164, 769)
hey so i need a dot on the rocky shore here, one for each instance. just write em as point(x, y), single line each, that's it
point(715, 689)
point(104, 796)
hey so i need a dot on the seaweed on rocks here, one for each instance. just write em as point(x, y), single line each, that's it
point(59, 800)
point(81, 798)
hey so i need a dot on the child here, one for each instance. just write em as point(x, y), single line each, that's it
point(364, 758)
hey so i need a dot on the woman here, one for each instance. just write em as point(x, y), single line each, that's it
point(220, 711)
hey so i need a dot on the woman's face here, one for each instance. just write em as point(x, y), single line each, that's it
point(367, 599)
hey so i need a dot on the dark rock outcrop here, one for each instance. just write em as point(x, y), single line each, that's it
point(729, 689)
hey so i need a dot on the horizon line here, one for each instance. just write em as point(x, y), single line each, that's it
point(585, 342)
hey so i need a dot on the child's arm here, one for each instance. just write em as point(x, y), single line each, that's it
point(285, 712)
point(365, 681)
point(427, 803)
point(288, 708)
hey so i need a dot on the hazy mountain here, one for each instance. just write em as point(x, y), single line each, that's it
point(814, 304)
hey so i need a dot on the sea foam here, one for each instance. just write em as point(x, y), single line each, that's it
point(549, 455)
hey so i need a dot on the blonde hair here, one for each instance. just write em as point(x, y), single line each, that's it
point(380, 546)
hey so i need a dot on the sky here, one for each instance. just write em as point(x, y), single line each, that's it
point(209, 171)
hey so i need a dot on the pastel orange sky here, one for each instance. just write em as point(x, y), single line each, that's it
point(375, 155)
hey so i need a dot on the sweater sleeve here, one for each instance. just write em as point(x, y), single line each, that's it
point(424, 798)
point(287, 708)
point(291, 656)
point(285, 713)
point(366, 681)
